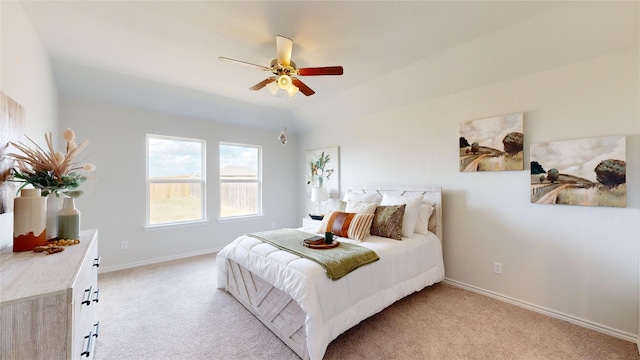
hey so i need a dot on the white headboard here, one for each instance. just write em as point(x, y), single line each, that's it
point(430, 195)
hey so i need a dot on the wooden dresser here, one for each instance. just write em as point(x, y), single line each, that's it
point(49, 302)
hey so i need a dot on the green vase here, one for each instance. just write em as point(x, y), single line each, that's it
point(68, 219)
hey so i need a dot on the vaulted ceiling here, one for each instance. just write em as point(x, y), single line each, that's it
point(162, 55)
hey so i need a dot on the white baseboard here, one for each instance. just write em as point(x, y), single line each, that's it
point(155, 261)
point(554, 314)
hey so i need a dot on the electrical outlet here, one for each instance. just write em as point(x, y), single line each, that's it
point(124, 245)
point(497, 268)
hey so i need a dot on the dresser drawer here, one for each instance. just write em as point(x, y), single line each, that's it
point(86, 296)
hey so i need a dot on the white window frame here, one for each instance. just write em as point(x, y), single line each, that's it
point(202, 181)
point(257, 181)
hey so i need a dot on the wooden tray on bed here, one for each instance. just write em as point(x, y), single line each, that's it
point(323, 245)
point(317, 242)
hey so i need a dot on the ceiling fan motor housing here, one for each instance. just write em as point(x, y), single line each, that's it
point(279, 69)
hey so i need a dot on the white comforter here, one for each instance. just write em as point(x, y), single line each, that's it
point(332, 307)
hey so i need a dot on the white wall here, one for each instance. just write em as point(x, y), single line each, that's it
point(577, 261)
point(115, 203)
point(26, 77)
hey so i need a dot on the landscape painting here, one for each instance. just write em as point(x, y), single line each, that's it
point(580, 172)
point(492, 144)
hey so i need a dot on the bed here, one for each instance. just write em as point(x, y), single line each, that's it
point(296, 300)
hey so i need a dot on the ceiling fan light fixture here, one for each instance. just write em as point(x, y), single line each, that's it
point(292, 90)
point(276, 91)
point(284, 82)
point(273, 88)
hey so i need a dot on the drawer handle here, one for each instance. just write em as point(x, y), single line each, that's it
point(97, 326)
point(96, 261)
point(96, 297)
point(87, 350)
point(87, 296)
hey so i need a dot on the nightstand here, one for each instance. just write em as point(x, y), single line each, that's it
point(310, 225)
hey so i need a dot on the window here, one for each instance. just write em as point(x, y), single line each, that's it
point(175, 180)
point(240, 180)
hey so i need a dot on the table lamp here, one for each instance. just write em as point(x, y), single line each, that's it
point(319, 194)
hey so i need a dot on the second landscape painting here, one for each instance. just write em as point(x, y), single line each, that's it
point(580, 172)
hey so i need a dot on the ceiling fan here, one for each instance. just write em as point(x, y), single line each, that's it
point(285, 71)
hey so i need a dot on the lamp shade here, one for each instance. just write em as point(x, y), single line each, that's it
point(319, 194)
point(273, 87)
point(292, 90)
point(284, 81)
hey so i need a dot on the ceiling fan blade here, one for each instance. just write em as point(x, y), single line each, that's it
point(284, 46)
point(263, 83)
point(226, 59)
point(303, 88)
point(327, 70)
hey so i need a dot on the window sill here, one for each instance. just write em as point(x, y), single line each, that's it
point(240, 218)
point(174, 225)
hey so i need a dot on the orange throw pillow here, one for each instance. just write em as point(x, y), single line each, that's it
point(349, 225)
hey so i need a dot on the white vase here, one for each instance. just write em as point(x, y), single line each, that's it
point(54, 204)
point(29, 220)
point(68, 220)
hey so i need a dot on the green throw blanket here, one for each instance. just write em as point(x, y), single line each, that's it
point(337, 262)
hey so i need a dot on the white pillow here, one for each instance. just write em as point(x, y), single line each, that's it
point(368, 198)
point(422, 225)
point(360, 207)
point(410, 213)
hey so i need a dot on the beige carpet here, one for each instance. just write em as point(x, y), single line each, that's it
point(173, 311)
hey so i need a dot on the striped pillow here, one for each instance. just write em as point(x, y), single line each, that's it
point(349, 225)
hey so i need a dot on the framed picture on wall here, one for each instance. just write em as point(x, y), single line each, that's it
point(323, 170)
point(11, 129)
point(580, 172)
point(492, 144)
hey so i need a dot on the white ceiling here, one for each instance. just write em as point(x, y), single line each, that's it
point(163, 54)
